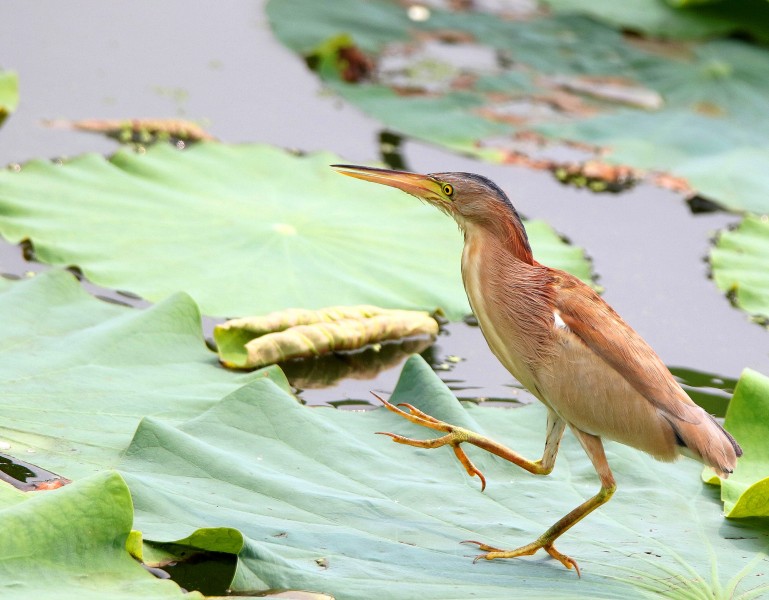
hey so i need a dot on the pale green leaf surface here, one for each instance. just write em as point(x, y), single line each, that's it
point(739, 263)
point(70, 544)
point(78, 374)
point(746, 492)
point(243, 229)
point(325, 504)
point(708, 124)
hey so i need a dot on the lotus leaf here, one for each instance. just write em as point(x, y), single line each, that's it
point(324, 504)
point(677, 19)
point(70, 544)
point(696, 112)
point(78, 373)
point(739, 259)
point(746, 492)
point(244, 230)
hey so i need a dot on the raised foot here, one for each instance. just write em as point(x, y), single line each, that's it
point(454, 435)
point(527, 550)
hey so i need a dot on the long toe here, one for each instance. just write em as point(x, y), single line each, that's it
point(566, 561)
point(492, 553)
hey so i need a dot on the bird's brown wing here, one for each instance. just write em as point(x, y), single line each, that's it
point(603, 331)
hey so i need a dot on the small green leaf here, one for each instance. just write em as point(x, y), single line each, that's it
point(739, 259)
point(746, 492)
point(70, 544)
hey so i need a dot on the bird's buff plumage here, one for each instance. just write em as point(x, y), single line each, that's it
point(565, 344)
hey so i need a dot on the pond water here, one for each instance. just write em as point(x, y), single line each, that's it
point(219, 64)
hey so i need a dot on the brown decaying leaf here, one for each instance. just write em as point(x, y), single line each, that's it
point(354, 64)
point(176, 128)
point(673, 183)
point(448, 36)
point(611, 89)
point(675, 49)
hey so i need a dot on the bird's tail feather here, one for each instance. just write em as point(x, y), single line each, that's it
point(706, 440)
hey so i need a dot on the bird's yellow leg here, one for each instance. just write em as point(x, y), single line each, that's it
point(455, 436)
point(594, 449)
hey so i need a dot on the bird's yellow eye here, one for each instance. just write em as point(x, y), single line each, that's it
point(448, 189)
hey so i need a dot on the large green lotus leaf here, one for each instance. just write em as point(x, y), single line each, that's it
point(739, 263)
point(78, 374)
point(697, 111)
point(746, 492)
point(675, 19)
point(9, 93)
point(245, 229)
point(325, 504)
point(70, 543)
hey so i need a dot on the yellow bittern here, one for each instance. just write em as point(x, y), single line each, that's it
point(564, 344)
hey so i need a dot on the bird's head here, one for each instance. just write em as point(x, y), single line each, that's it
point(470, 199)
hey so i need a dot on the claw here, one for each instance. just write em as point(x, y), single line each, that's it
point(493, 553)
point(471, 469)
point(415, 415)
point(454, 437)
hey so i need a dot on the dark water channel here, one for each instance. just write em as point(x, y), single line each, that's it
point(218, 63)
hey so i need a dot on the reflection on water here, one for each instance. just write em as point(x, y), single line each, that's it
point(26, 476)
point(367, 363)
point(712, 392)
point(193, 569)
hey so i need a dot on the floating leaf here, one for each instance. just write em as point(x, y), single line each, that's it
point(9, 93)
point(244, 230)
point(252, 342)
point(746, 492)
point(70, 544)
point(140, 131)
point(561, 89)
point(78, 374)
point(739, 264)
point(325, 504)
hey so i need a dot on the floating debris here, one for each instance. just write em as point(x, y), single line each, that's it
point(253, 342)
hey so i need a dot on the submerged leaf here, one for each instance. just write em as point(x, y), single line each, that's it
point(739, 263)
point(746, 492)
point(244, 229)
point(325, 504)
point(252, 342)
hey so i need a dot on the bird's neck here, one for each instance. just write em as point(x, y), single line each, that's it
point(502, 231)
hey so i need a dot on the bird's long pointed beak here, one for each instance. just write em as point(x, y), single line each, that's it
point(421, 186)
